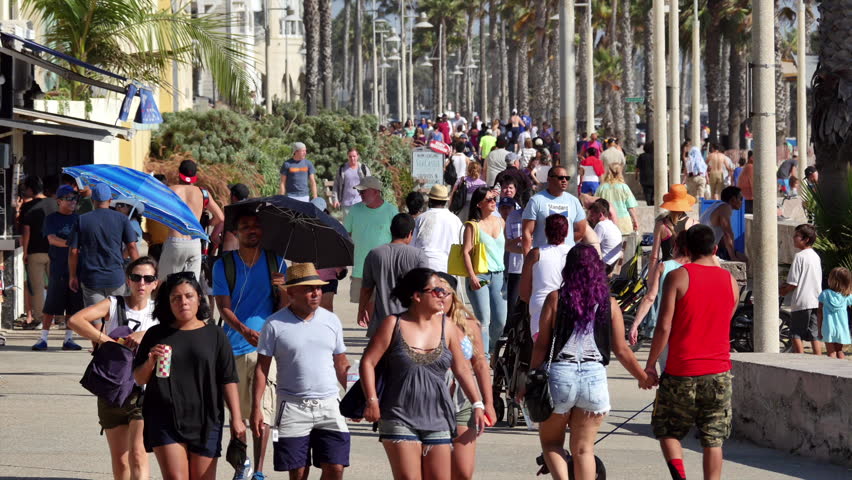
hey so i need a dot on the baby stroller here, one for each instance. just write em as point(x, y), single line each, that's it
point(629, 289)
point(513, 354)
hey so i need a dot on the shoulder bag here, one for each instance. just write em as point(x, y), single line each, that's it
point(537, 399)
point(455, 262)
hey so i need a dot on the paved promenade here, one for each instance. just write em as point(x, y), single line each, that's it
point(49, 428)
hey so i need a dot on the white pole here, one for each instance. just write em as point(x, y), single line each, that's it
point(674, 72)
point(765, 214)
point(660, 129)
point(402, 84)
point(411, 74)
point(590, 71)
point(695, 123)
point(268, 88)
point(567, 87)
point(801, 93)
point(375, 65)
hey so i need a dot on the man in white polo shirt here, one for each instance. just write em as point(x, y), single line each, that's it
point(437, 229)
point(307, 343)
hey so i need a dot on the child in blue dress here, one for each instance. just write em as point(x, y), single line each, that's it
point(833, 316)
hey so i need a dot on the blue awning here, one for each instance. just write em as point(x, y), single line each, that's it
point(68, 58)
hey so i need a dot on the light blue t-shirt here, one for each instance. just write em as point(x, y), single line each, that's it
point(251, 300)
point(303, 352)
point(543, 204)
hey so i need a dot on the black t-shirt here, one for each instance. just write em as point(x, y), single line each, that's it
point(645, 164)
point(191, 399)
point(34, 218)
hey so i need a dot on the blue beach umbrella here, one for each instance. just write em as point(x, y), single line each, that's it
point(161, 203)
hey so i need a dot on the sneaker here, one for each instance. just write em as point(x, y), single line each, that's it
point(245, 473)
point(40, 346)
point(258, 476)
point(70, 345)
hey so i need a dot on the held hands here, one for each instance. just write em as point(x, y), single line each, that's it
point(650, 380)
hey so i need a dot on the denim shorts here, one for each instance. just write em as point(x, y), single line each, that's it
point(579, 385)
point(397, 432)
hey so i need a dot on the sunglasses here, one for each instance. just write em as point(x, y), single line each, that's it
point(181, 276)
point(489, 199)
point(436, 292)
point(70, 198)
point(136, 278)
point(561, 177)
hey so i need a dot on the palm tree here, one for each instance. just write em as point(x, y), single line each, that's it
point(347, 70)
point(100, 32)
point(445, 16)
point(325, 59)
point(831, 121)
point(311, 20)
point(628, 140)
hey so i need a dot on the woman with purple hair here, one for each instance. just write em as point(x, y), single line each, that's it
point(580, 325)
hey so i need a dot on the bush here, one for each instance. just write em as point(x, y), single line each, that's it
point(256, 146)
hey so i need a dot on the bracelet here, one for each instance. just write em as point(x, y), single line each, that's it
point(372, 399)
point(478, 405)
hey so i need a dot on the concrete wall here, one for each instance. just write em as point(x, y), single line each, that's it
point(796, 403)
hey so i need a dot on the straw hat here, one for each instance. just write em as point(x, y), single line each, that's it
point(677, 200)
point(439, 193)
point(302, 274)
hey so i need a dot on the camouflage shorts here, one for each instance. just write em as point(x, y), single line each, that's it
point(703, 401)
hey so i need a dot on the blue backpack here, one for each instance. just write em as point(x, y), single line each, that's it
point(109, 375)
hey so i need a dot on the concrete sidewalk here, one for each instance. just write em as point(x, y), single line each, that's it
point(49, 428)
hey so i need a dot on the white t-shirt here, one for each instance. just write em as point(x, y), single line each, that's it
point(543, 204)
point(137, 320)
point(522, 138)
point(611, 242)
point(303, 352)
point(435, 231)
point(806, 275)
point(460, 163)
point(527, 154)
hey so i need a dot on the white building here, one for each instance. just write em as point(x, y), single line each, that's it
point(286, 63)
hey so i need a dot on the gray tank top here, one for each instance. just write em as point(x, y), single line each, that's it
point(415, 392)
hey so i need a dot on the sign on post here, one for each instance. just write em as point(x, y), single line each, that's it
point(428, 166)
point(634, 99)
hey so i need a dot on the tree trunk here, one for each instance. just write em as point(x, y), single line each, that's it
point(347, 7)
point(737, 106)
point(358, 63)
point(326, 66)
point(724, 111)
point(515, 57)
point(504, 72)
point(523, 73)
point(541, 80)
point(494, 53)
point(311, 22)
point(581, 76)
point(483, 68)
point(782, 89)
point(628, 140)
point(713, 71)
point(831, 123)
point(648, 46)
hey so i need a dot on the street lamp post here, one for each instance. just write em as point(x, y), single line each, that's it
point(801, 92)
point(695, 122)
point(590, 71)
point(567, 86)
point(765, 215)
point(402, 84)
point(375, 64)
point(674, 109)
point(660, 138)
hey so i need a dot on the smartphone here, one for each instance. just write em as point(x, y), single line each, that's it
point(483, 283)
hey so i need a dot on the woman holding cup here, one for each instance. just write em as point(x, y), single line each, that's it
point(188, 367)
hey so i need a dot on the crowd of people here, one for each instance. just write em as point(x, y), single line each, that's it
point(504, 236)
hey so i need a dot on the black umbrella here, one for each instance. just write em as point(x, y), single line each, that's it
point(298, 231)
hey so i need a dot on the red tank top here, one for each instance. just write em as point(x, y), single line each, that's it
point(699, 343)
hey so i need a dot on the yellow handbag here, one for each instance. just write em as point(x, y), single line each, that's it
point(455, 263)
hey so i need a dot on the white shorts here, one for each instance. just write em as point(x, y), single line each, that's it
point(298, 418)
